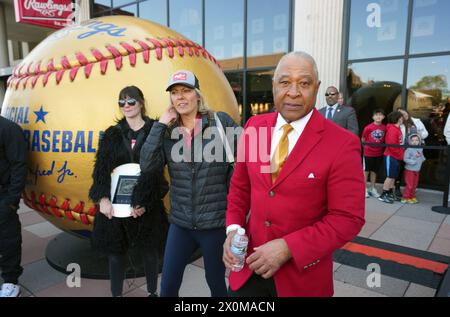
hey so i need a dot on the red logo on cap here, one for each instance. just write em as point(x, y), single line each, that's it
point(180, 76)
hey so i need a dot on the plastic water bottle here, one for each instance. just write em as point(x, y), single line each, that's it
point(239, 248)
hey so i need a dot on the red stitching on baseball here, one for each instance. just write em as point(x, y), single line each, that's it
point(59, 76)
point(45, 79)
point(51, 66)
point(97, 54)
point(88, 70)
point(81, 58)
point(42, 206)
point(65, 63)
point(73, 73)
point(34, 81)
point(29, 70)
point(37, 69)
point(104, 66)
point(118, 62)
point(24, 85)
point(157, 45)
point(131, 53)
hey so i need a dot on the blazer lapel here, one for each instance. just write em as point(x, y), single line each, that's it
point(264, 167)
point(305, 144)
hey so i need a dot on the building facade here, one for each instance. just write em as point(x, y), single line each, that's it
point(380, 53)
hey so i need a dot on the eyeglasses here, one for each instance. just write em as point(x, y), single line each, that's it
point(328, 95)
point(131, 102)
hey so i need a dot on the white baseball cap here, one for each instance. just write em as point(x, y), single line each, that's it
point(183, 77)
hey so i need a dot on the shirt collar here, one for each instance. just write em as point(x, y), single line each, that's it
point(334, 107)
point(298, 125)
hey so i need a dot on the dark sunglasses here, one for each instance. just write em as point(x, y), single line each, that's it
point(123, 102)
point(328, 95)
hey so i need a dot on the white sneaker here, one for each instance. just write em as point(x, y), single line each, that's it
point(373, 192)
point(10, 290)
point(367, 193)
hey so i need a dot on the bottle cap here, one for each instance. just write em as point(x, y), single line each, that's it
point(241, 231)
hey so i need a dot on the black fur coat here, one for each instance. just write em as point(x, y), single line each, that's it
point(117, 235)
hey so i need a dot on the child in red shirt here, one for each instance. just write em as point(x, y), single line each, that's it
point(374, 133)
point(392, 156)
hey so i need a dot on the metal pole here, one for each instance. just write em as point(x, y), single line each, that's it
point(444, 208)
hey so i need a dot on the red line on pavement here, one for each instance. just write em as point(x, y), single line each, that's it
point(400, 258)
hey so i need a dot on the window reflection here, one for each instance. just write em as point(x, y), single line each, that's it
point(374, 85)
point(186, 18)
point(154, 10)
point(128, 10)
point(260, 99)
point(372, 37)
point(236, 81)
point(268, 32)
point(430, 26)
point(103, 3)
point(117, 3)
point(429, 94)
point(224, 29)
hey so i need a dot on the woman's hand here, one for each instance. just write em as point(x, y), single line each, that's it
point(168, 116)
point(106, 208)
point(137, 212)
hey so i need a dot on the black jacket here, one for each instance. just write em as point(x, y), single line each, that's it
point(118, 234)
point(13, 163)
point(198, 190)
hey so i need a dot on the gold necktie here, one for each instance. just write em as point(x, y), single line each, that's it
point(281, 152)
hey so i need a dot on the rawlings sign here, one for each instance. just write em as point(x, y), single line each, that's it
point(54, 14)
point(64, 94)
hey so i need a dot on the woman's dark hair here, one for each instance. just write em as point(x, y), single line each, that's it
point(394, 117)
point(409, 123)
point(135, 93)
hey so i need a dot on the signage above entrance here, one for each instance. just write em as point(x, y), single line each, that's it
point(55, 14)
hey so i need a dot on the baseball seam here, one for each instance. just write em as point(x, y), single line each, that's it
point(24, 74)
point(51, 208)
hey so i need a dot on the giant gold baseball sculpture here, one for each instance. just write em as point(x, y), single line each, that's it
point(64, 94)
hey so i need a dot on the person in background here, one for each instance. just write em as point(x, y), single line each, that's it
point(146, 229)
point(414, 159)
point(392, 156)
point(341, 115)
point(13, 173)
point(410, 126)
point(374, 133)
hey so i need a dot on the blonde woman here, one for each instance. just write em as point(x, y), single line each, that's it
point(198, 189)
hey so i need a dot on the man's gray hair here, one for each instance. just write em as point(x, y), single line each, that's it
point(302, 55)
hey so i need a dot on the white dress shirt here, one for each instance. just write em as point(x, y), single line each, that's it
point(333, 112)
point(299, 127)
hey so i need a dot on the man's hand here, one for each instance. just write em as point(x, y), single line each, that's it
point(106, 208)
point(228, 258)
point(269, 258)
point(137, 212)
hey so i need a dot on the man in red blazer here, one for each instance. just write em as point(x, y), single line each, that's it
point(299, 210)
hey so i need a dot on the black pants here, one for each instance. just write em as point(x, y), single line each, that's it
point(117, 271)
point(256, 286)
point(10, 244)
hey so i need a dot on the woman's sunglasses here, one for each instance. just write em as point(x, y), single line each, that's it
point(123, 102)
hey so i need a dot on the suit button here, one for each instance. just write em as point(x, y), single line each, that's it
point(272, 194)
point(268, 223)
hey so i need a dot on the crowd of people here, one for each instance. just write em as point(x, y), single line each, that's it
point(306, 201)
